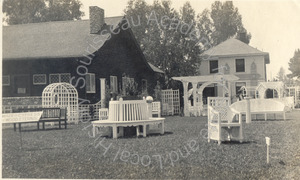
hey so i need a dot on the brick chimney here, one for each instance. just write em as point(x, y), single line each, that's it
point(96, 19)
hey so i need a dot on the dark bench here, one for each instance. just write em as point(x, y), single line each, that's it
point(49, 115)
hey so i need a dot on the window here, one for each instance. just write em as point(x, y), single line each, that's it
point(90, 83)
point(39, 79)
point(57, 78)
point(240, 65)
point(6, 80)
point(127, 84)
point(114, 84)
point(213, 66)
point(144, 85)
point(238, 86)
point(65, 77)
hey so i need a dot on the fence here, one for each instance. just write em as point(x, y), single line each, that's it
point(89, 112)
point(170, 102)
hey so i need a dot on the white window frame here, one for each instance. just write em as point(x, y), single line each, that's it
point(45, 79)
point(7, 76)
point(90, 86)
point(114, 84)
point(59, 77)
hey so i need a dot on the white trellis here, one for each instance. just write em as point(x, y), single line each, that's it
point(62, 95)
point(263, 86)
point(170, 102)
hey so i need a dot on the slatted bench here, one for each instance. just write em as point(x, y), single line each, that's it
point(126, 114)
point(49, 115)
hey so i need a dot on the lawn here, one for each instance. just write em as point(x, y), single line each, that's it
point(181, 153)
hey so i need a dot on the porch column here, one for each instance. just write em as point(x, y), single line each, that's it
point(102, 92)
point(185, 98)
point(229, 91)
point(195, 99)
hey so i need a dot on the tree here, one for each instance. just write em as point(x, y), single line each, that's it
point(163, 34)
point(221, 23)
point(294, 64)
point(281, 76)
point(33, 11)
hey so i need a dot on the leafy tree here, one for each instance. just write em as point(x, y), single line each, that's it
point(33, 11)
point(164, 37)
point(221, 23)
point(294, 64)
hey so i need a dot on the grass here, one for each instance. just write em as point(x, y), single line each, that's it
point(71, 153)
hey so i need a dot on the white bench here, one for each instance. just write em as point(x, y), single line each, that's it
point(126, 114)
point(261, 106)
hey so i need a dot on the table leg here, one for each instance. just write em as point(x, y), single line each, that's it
point(38, 125)
point(15, 127)
point(59, 124)
point(19, 127)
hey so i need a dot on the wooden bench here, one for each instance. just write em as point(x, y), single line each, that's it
point(126, 114)
point(261, 106)
point(49, 115)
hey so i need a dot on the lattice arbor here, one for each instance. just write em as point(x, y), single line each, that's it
point(277, 87)
point(170, 102)
point(62, 95)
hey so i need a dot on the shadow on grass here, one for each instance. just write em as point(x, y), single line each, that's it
point(140, 136)
point(46, 129)
point(238, 142)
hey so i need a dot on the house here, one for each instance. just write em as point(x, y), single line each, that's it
point(89, 54)
point(234, 57)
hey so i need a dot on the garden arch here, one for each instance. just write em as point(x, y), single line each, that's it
point(223, 80)
point(264, 86)
point(62, 95)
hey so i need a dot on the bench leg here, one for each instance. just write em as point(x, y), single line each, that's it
point(144, 130)
point(115, 133)
point(121, 131)
point(162, 130)
point(137, 131)
point(59, 124)
point(94, 131)
point(43, 125)
point(66, 124)
point(265, 116)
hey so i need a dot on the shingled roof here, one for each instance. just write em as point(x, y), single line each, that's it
point(234, 47)
point(56, 39)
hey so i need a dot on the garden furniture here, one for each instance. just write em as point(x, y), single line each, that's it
point(222, 118)
point(127, 114)
point(261, 106)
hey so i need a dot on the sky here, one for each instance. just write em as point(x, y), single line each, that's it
point(274, 25)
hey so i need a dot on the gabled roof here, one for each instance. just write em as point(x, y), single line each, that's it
point(57, 39)
point(155, 69)
point(234, 47)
